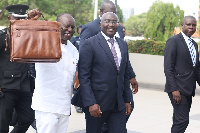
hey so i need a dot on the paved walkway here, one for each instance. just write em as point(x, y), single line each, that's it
point(152, 114)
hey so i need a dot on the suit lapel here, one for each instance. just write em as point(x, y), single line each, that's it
point(103, 43)
point(122, 50)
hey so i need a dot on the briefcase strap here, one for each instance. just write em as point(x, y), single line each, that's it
point(43, 17)
point(7, 35)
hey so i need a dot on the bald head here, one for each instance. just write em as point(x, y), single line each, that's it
point(108, 15)
point(67, 26)
point(107, 6)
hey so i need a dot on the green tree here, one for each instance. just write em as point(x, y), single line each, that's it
point(162, 18)
point(3, 4)
point(120, 14)
point(135, 25)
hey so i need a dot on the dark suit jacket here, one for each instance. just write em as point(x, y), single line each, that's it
point(75, 41)
point(100, 82)
point(93, 28)
point(13, 76)
point(179, 71)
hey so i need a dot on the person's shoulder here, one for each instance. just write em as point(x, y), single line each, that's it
point(3, 31)
point(75, 38)
point(120, 39)
point(91, 24)
point(174, 37)
point(98, 35)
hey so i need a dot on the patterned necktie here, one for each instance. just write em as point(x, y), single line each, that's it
point(111, 40)
point(192, 51)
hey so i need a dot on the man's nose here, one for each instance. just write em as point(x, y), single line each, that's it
point(111, 23)
point(69, 28)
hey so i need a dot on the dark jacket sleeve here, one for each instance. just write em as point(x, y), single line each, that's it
point(2, 39)
point(131, 72)
point(169, 63)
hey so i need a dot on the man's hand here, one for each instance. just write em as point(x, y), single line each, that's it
point(128, 108)
point(95, 110)
point(34, 14)
point(76, 81)
point(134, 85)
point(176, 96)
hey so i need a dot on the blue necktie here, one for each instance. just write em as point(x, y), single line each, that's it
point(192, 51)
point(111, 40)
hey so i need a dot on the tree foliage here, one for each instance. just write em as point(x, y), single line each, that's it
point(162, 18)
point(81, 10)
point(135, 25)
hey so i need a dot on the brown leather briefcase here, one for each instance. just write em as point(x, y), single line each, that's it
point(35, 41)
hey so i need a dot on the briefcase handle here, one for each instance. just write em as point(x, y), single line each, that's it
point(43, 17)
point(35, 14)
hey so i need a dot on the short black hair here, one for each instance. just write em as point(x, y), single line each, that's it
point(58, 17)
point(105, 3)
point(186, 17)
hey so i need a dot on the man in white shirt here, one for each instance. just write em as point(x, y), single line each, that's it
point(54, 84)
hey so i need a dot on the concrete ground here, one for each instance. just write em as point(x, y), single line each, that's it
point(152, 114)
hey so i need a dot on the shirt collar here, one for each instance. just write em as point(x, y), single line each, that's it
point(106, 37)
point(185, 37)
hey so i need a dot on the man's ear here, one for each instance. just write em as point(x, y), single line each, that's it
point(101, 12)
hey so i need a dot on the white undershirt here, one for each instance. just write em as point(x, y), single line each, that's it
point(117, 49)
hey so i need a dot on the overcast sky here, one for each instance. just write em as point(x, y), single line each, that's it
point(189, 6)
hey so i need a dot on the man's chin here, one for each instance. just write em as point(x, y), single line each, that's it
point(65, 39)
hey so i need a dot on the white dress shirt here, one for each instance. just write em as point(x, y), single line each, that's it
point(117, 49)
point(187, 42)
point(54, 82)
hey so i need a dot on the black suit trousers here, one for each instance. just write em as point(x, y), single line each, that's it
point(115, 121)
point(21, 102)
point(180, 113)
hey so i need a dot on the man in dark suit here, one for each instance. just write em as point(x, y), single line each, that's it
point(93, 28)
point(181, 62)
point(104, 78)
point(14, 82)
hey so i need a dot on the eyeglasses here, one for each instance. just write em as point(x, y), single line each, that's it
point(107, 21)
point(66, 28)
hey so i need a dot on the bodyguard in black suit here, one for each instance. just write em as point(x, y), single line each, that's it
point(181, 62)
point(104, 79)
point(14, 82)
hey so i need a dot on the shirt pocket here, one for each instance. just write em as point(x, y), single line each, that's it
point(11, 79)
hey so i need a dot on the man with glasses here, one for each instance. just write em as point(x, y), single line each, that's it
point(104, 79)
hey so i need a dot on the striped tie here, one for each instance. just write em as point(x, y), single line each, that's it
point(111, 40)
point(192, 51)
